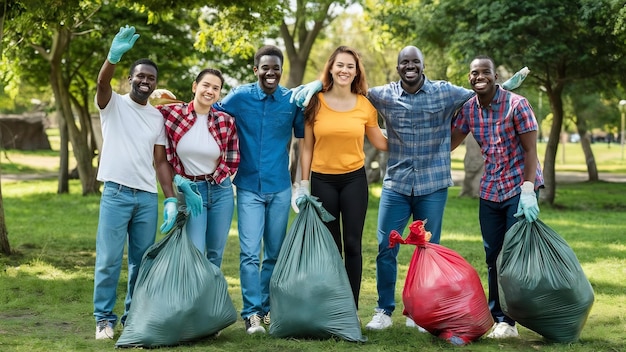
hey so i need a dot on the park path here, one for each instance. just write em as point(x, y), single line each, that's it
point(561, 177)
point(457, 177)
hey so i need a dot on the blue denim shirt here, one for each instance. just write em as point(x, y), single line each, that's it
point(418, 129)
point(264, 125)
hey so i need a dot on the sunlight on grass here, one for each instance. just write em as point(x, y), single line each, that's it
point(45, 271)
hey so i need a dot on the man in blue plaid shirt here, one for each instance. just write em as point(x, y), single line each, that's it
point(418, 115)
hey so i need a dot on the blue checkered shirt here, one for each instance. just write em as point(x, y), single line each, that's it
point(418, 128)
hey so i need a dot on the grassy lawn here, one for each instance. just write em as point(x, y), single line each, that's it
point(46, 287)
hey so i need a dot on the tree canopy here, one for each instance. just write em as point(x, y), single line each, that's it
point(561, 42)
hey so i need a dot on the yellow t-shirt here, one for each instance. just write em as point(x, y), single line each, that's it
point(340, 135)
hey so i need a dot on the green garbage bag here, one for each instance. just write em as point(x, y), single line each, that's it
point(541, 283)
point(310, 295)
point(179, 295)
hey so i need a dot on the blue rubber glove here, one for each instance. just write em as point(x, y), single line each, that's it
point(123, 41)
point(193, 199)
point(298, 192)
point(170, 209)
point(516, 80)
point(528, 202)
point(302, 94)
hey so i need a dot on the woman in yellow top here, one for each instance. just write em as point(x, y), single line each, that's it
point(336, 122)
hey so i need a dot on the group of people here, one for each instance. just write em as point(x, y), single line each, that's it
point(198, 147)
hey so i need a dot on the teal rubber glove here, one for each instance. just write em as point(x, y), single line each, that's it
point(527, 205)
point(170, 209)
point(123, 41)
point(193, 199)
point(298, 192)
point(516, 80)
point(302, 94)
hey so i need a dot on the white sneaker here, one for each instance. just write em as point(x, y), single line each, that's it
point(380, 321)
point(104, 330)
point(411, 324)
point(503, 330)
point(253, 325)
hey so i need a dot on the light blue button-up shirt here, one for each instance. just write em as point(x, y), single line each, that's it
point(418, 129)
point(265, 124)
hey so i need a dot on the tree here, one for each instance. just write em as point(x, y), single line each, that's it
point(237, 31)
point(5, 247)
point(584, 34)
point(71, 41)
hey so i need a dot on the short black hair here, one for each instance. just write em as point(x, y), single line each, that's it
point(210, 71)
point(143, 61)
point(270, 50)
point(485, 57)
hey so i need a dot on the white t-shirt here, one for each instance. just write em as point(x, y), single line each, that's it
point(197, 149)
point(129, 132)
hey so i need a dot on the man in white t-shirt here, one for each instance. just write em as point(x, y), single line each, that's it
point(133, 132)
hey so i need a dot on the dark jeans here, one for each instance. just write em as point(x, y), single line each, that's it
point(495, 219)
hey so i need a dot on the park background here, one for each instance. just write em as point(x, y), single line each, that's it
point(51, 52)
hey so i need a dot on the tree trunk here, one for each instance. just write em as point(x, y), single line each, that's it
point(585, 143)
point(474, 166)
point(78, 137)
point(549, 173)
point(5, 247)
point(64, 155)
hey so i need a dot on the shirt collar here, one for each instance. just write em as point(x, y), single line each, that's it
point(426, 87)
point(497, 98)
point(261, 93)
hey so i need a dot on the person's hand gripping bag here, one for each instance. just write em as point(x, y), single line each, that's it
point(541, 283)
point(310, 295)
point(442, 292)
point(179, 296)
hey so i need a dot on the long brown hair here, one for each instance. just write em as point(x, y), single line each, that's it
point(358, 86)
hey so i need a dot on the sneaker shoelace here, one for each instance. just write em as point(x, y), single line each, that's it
point(255, 320)
point(102, 325)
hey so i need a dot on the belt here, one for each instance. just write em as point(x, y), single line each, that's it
point(197, 178)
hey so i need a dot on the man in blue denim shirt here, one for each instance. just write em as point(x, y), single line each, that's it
point(265, 119)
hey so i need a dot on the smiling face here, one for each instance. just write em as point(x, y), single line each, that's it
point(482, 77)
point(206, 92)
point(343, 70)
point(411, 68)
point(143, 82)
point(268, 71)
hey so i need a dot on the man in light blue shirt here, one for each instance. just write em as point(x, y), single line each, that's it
point(265, 120)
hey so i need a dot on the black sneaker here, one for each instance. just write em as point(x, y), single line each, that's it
point(253, 324)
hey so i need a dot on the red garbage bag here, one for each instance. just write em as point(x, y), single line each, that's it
point(443, 293)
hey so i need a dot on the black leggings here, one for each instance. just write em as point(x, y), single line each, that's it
point(345, 196)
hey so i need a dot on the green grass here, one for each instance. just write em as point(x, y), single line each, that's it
point(46, 286)
point(570, 158)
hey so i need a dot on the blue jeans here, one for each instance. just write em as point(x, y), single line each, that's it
point(209, 230)
point(261, 217)
point(126, 214)
point(394, 213)
point(495, 219)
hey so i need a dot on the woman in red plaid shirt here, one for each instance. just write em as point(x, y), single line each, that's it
point(203, 152)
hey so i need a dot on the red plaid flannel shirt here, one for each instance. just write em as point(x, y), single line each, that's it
point(178, 120)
